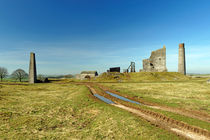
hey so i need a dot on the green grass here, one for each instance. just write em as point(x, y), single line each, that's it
point(187, 95)
point(188, 120)
point(13, 80)
point(65, 111)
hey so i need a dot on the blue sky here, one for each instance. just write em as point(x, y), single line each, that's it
point(69, 36)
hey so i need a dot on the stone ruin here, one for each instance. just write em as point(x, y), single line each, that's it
point(156, 62)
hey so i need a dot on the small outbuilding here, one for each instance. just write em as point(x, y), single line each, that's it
point(114, 69)
point(87, 75)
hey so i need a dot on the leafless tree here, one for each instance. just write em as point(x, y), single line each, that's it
point(40, 77)
point(19, 74)
point(3, 73)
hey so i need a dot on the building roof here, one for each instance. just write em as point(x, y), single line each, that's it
point(88, 72)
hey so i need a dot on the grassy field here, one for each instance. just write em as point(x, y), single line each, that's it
point(65, 111)
point(190, 94)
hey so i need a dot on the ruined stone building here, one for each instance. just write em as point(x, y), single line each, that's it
point(86, 75)
point(156, 62)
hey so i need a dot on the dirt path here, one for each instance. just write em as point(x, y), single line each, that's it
point(193, 114)
point(179, 131)
point(180, 128)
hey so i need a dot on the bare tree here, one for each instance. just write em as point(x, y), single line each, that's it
point(40, 78)
point(3, 73)
point(19, 74)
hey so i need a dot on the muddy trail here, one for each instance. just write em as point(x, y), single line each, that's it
point(179, 128)
point(188, 113)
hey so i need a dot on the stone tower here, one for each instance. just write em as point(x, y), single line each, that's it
point(182, 63)
point(32, 69)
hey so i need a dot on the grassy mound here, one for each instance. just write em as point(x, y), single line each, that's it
point(142, 77)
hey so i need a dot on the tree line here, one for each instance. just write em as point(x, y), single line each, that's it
point(18, 74)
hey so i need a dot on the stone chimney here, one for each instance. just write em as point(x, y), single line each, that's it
point(182, 63)
point(32, 69)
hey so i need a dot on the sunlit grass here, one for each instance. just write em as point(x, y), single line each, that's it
point(65, 111)
point(188, 95)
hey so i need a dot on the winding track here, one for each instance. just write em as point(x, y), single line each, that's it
point(180, 128)
point(187, 113)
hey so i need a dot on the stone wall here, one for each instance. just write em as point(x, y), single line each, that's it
point(156, 62)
